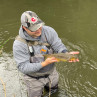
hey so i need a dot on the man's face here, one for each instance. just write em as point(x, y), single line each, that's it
point(35, 34)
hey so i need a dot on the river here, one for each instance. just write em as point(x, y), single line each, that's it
point(75, 21)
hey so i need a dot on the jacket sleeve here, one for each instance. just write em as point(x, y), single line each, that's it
point(22, 58)
point(55, 41)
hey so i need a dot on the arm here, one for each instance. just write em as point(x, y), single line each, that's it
point(55, 41)
point(57, 44)
point(22, 58)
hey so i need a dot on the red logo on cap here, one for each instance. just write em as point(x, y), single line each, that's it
point(33, 20)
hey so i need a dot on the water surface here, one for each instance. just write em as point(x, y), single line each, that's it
point(76, 24)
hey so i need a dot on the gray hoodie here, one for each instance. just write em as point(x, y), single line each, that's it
point(21, 52)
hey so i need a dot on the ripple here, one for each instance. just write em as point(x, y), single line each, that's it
point(79, 79)
point(11, 77)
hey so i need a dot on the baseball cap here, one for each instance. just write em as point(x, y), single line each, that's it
point(30, 20)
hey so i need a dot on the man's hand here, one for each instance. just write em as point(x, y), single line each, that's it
point(49, 61)
point(74, 60)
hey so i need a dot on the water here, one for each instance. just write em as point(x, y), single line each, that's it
point(76, 24)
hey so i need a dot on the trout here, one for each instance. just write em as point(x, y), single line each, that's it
point(61, 56)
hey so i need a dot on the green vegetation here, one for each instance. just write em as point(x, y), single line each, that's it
point(2, 45)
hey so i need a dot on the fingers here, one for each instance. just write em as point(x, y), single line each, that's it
point(74, 52)
point(51, 60)
point(74, 60)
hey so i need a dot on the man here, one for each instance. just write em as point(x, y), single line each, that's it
point(33, 42)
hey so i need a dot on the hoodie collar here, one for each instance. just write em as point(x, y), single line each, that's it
point(26, 36)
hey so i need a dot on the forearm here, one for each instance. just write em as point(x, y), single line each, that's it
point(64, 51)
point(28, 67)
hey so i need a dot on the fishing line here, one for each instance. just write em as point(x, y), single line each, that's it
point(3, 86)
point(4, 42)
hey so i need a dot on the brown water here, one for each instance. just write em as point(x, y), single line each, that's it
point(76, 24)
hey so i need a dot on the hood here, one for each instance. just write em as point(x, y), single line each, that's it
point(26, 36)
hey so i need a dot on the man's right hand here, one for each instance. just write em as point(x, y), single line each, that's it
point(49, 61)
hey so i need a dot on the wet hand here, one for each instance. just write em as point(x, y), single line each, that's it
point(49, 61)
point(74, 53)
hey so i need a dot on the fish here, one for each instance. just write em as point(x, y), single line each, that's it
point(61, 56)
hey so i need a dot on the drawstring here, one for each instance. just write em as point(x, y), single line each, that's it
point(50, 82)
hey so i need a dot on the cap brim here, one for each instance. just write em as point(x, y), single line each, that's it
point(36, 27)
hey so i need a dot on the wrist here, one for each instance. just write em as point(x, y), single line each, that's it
point(64, 51)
